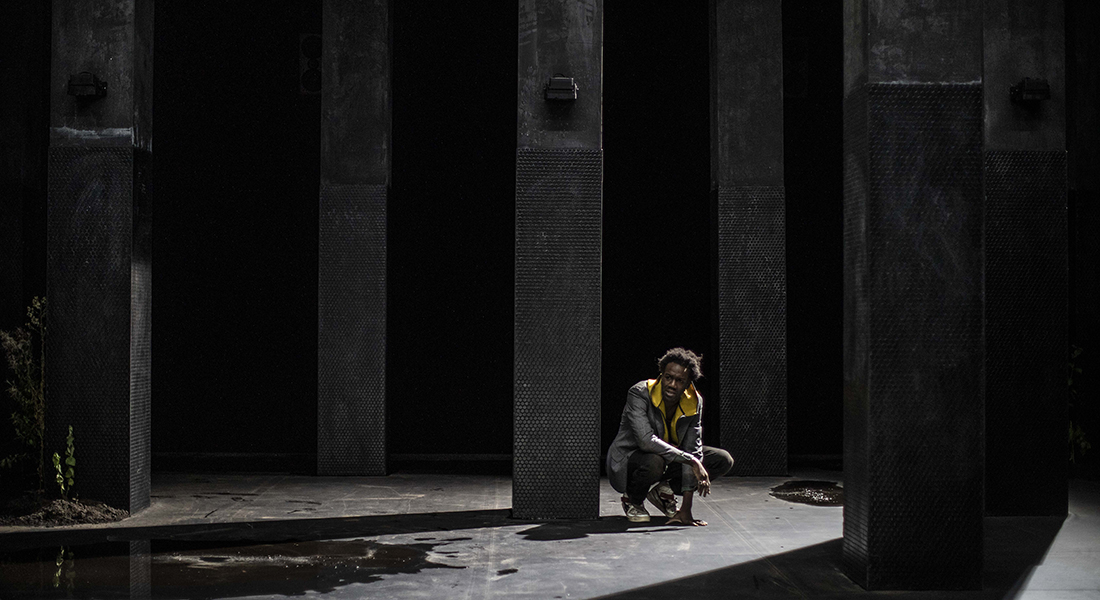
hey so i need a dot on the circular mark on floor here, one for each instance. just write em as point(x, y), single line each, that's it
point(816, 493)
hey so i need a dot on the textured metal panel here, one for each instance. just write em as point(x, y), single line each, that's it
point(752, 289)
point(141, 332)
point(921, 283)
point(90, 238)
point(351, 370)
point(1025, 316)
point(559, 213)
point(856, 334)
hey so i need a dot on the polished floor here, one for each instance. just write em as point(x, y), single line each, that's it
point(451, 536)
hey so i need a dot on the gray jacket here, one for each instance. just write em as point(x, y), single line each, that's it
point(642, 427)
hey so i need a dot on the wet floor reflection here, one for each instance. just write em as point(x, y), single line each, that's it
point(174, 569)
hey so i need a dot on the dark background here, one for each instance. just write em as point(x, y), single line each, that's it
point(236, 223)
point(657, 243)
point(451, 222)
point(813, 172)
point(236, 173)
point(236, 170)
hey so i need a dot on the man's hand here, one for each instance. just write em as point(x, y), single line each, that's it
point(701, 476)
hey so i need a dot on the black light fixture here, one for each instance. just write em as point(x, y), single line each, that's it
point(86, 86)
point(1030, 91)
point(560, 88)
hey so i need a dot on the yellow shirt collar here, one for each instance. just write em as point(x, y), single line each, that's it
point(689, 405)
point(689, 400)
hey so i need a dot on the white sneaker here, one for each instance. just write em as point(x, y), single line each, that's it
point(662, 497)
point(635, 513)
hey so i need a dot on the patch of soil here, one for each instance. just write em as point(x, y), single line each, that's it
point(21, 512)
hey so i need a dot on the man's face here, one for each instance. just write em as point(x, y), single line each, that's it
point(674, 380)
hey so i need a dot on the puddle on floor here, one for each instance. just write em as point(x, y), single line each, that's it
point(173, 569)
point(816, 493)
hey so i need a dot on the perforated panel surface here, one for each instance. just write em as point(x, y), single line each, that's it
point(90, 239)
point(857, 494)
point(921, 284)
point(351, 395)
point(556, 452)
point(1025, 316)
point(141, 330)
point(752, 293)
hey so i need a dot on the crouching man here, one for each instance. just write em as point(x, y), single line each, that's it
point(659, 452)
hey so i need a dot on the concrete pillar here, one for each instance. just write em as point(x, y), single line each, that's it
point(747, 83)
point(913, 355)
point(99, 247)
point(559, 196)
point(355, 177)
point(1025, 260)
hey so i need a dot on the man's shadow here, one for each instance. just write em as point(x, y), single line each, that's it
point(574, 530)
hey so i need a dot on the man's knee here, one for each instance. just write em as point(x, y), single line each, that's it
point(646, 464)
point(644, 469)
point(717, 462)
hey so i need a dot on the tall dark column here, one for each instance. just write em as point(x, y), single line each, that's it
point(913, 356)
point(355, 175)
point(559, 201)
point(1025, 260)
point(747, 81)
point(99, 246)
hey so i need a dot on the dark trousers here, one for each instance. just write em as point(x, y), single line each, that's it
point(644, 469)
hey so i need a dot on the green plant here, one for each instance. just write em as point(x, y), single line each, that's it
point(65, 480)
point(1078, 441)
point(28, 389)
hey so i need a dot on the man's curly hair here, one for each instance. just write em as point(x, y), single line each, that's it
point(685, 358)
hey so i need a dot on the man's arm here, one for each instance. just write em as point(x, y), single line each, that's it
point(694, 474)
point(696, 440)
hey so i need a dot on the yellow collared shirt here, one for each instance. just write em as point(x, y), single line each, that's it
point(689, 405)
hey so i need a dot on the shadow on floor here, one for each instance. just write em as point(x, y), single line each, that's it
point(1013, 546)
point(290, 558)
point(330, 528)
point(268, 530)
point(302, 561)
point(573, 530)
